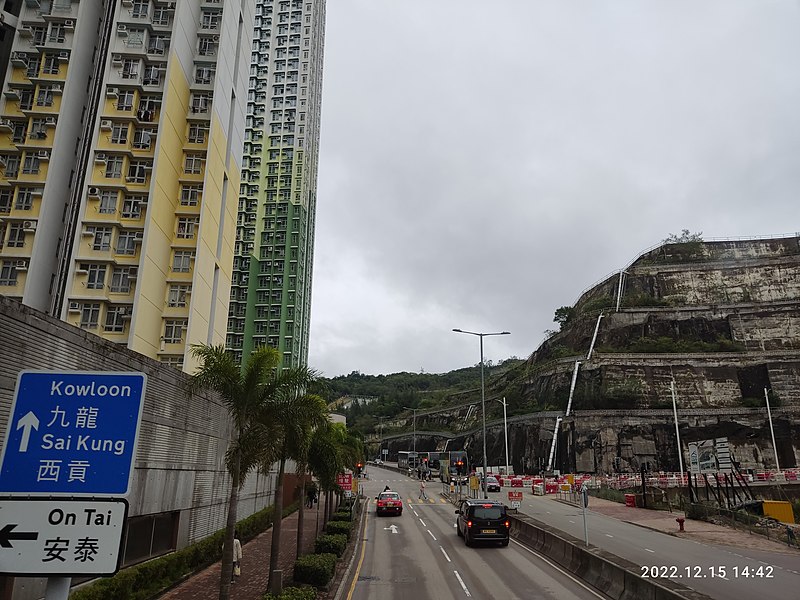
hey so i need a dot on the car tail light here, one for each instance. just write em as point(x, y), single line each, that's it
point(469, 523)
point(508, 524)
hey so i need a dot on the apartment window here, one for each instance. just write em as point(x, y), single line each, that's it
point(5, 206)
point(197, 133)
point(125, 100)
point(90, 314)
point(187, 227)
point(115, 319)
point(56, 33)
point(201, 103)
point(175, 362)
point(24, 198)
point(96, 279)
point(126, 243)
point(207, 47)
point(12, 165)
point(190, 195)
point(119, 133)
point(16, 236)
point(152, 75)
point(182, 261)
point(137, 171)
point(19, 131)
point(209, 19)
point(173, 330)
point(50, 64)
point(177, 295)
point(140, 9)
point(114, 167)
point(8, 273)
point(142, 139)
point(130, 68)
point(158, 45)
point(102, 239)
point(108, 202)
point(161, 16)
point(120, 280)
point(34, 65)
point(203, 75)
point(193, 164)
point(44, 97)
point(31, 165)
point(132, 206)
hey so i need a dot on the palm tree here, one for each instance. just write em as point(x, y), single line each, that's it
point(295, 414)
point(243, 391)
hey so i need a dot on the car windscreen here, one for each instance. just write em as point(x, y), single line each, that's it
point(482, 512)
point(390, 497)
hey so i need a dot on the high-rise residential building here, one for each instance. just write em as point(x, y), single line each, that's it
point(121, 132)
point(271, 292)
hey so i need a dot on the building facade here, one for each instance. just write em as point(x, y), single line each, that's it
point(121, 130)
point(272, 268)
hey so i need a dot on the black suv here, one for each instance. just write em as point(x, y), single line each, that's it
point(482, 520)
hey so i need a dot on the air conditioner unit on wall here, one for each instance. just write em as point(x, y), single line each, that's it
point(106, 125)
point(100, 157)
point(74, 307)
point(94, 191)
point(22, 265)
point(112, 92)
point(29, 226)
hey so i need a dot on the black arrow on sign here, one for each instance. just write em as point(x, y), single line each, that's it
point(6, 535)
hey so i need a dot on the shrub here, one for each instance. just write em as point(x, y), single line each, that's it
point(335, 527)
point(315, 569)
point(340, 516)
point(330, 544)
point(293, 593)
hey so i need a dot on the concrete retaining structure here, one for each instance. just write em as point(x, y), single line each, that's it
point(612, 575)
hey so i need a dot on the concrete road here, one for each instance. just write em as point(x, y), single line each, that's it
point(769, 576)
point(418, 556)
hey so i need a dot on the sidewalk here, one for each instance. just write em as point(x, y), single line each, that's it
point(700, 531)
point(252, 584)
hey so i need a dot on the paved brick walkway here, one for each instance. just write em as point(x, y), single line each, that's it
point(255, 563)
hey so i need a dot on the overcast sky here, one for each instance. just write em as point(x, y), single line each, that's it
point(482, 163)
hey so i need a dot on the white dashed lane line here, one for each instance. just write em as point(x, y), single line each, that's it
point(463, 586)
point(433, 536)
point(445, 554)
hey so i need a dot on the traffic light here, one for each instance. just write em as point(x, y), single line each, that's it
point(459, 466)
point(359, 466)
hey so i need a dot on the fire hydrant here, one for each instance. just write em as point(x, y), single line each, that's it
point(680, 521)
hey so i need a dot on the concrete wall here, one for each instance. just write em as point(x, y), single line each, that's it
point(183, 438)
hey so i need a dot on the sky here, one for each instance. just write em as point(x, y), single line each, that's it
point(483, 163)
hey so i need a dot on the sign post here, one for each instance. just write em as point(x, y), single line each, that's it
point(71, 436)
point(515, 498)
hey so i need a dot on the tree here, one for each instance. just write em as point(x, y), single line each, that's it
point(564, 315)
point(684, 238)
point(242, 390)
point(295, 415)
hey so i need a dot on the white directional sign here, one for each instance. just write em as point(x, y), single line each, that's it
point(72, 433)
point(392, 528)
point(64, 538)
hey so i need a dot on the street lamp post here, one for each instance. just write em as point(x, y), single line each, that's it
point(483, 397)
point(505, 428)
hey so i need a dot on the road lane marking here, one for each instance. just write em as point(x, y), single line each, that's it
point(464, 587)
point(445, 554)
point(433, 536)
point(571, 521)
point(361, 559)
point(560, 570)
point(648, 549)
point(547, 511)
point(609, 535)
point(423, 523)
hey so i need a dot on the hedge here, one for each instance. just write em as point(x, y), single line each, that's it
point(335, 527)
point(340, 516)
point(315, 569)
point(293, 593)
point(145, 580)
point(330, 544)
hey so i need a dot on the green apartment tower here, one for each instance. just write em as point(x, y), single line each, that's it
point(273, 256)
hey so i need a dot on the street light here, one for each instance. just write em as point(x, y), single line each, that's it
point(483, 396)
point(505, 428)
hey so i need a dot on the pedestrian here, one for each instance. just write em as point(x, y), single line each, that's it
point(386, 489)
point(791, 540)
point(422, 494)
point(311, 497)
point(237, 557)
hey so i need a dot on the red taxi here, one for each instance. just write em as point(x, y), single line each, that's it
point(388, 503)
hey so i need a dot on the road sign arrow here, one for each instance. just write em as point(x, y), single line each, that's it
point(393, 528)
point(6, 535)
point(26, 423)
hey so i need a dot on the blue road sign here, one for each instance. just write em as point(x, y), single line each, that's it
point(72, 433)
